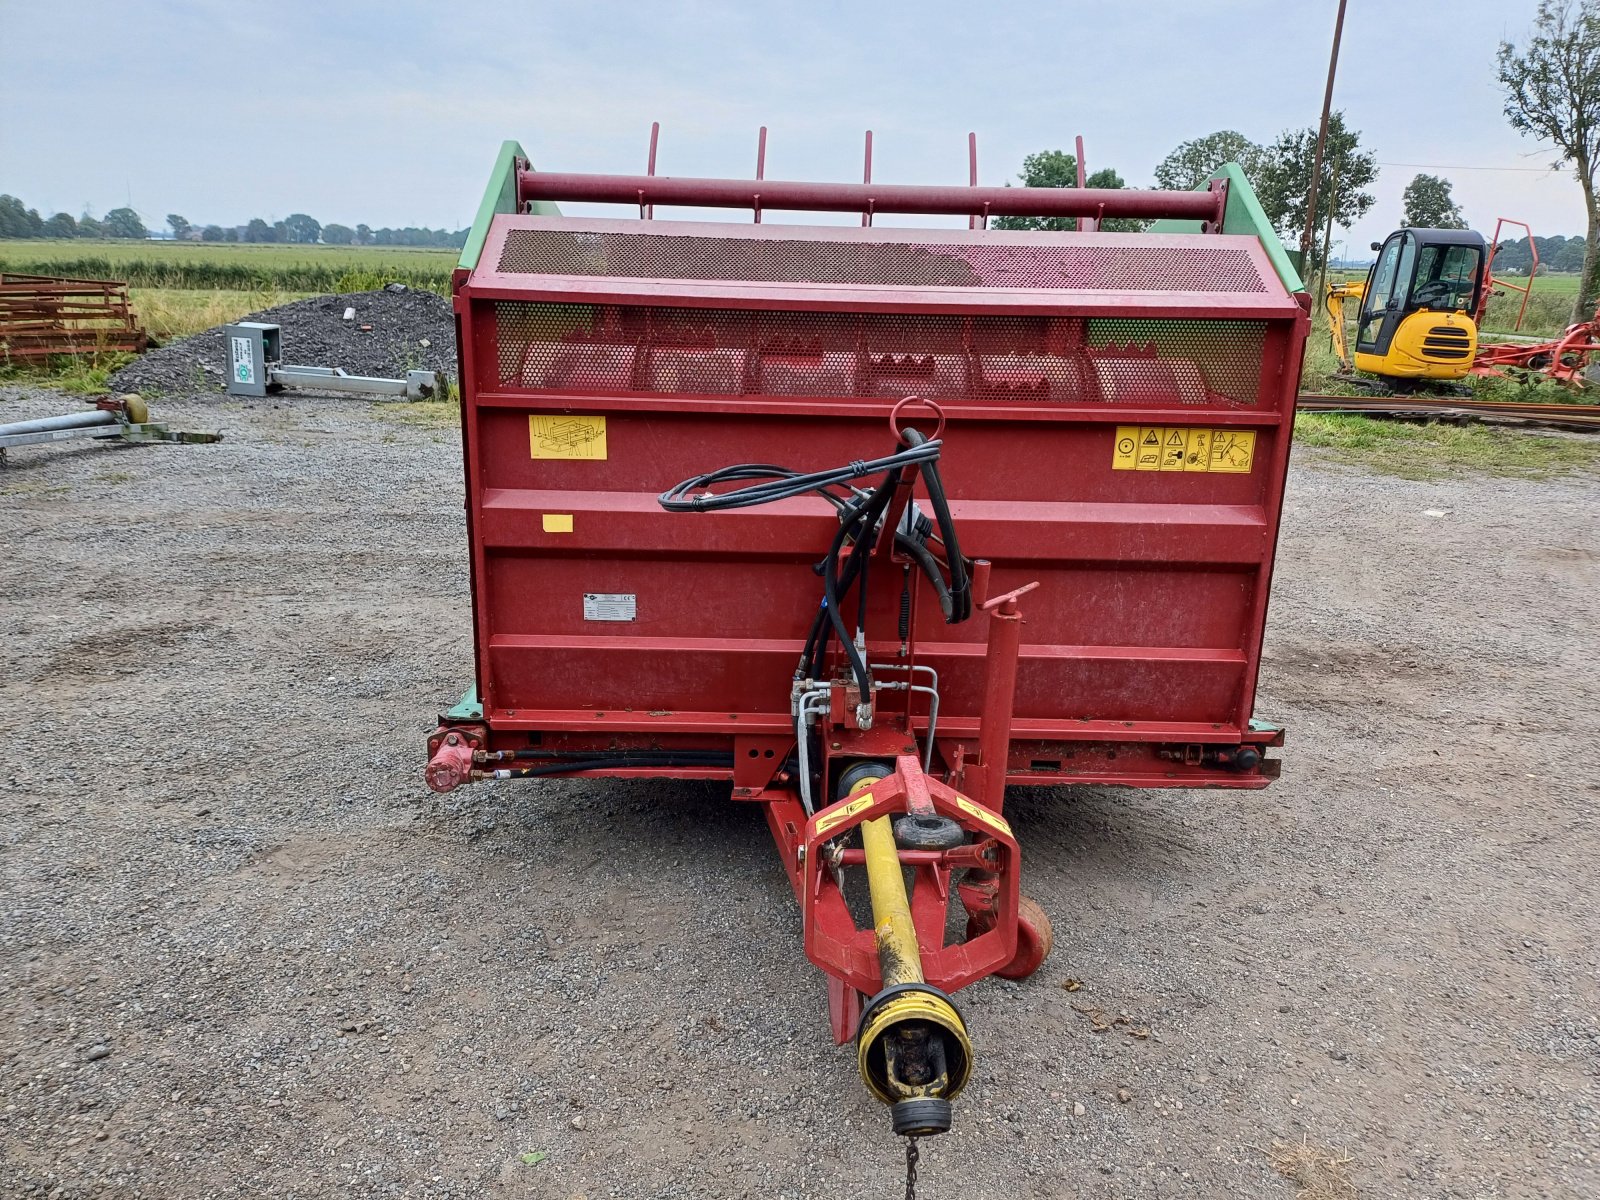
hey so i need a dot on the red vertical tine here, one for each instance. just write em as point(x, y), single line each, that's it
point(866, 177)
point(1085, 224)
point(761, 167)
point(972, 171)
point(648, 211)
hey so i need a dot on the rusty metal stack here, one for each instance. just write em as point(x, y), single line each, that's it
point(42, 316)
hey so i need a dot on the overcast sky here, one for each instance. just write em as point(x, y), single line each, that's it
point(391, 113)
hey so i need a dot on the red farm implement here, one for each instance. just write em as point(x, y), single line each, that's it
point(873, 523)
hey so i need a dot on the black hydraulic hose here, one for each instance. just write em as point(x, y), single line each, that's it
point(960, 584)
point(923, 557)
point(780, 483)
point(861, 523)
point(817, 641)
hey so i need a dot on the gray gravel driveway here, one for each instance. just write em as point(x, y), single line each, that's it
point(244, 952)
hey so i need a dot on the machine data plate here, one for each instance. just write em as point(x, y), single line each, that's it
point(609, 606)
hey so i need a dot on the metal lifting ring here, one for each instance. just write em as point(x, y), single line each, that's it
point(894, 418)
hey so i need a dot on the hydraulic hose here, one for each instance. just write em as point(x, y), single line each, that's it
point(861, 524)
point(960, 584)
point(923, 557)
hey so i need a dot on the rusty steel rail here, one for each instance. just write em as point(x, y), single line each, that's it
point(42, 316)
point(1583, 418)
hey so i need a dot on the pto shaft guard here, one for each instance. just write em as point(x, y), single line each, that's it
point(850, 954)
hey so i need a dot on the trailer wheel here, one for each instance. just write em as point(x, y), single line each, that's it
point(1035, 939)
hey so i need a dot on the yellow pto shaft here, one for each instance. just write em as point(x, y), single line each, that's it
point(912, 1050)
point(899, 957)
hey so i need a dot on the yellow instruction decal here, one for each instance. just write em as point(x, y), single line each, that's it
point(566, 436)
point(1180, 448)
point(558, 522)
point(843, 812)
point(992, 819)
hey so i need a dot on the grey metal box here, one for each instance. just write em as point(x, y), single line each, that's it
point(254, 348)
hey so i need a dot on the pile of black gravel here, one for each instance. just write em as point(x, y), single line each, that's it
point(394, 330)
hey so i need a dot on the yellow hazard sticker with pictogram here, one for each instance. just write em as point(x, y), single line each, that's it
point(567, 436)
point(1182, 448)
point(992, 819)
point(841, 813)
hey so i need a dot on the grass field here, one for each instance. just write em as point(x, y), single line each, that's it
point(1432, 450)
point(194, 266)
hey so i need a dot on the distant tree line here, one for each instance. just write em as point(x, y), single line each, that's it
point(17, 220)
point(1561, 254)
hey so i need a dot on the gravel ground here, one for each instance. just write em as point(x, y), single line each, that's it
point(243, 951)
point(396, 329)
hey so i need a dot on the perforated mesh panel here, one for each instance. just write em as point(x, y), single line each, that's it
point(623, 348)
point(1131, 268)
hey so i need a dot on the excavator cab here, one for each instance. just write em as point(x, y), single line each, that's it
point(1415, 320)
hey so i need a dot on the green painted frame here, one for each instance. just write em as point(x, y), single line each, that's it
point(499, 197)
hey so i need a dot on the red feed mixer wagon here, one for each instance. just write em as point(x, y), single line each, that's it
point(873, 523)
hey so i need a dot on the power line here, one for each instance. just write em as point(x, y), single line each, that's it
point(1456, 167)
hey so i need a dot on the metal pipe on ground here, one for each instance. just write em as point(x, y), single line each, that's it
point(78, 420)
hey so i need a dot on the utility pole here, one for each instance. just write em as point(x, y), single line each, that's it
point(1322, 137)
point(1327, 236)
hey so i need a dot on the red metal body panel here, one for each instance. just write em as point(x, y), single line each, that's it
point(1145, 632)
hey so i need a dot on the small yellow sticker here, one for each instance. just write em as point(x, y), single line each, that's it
point(1179, 448)
point(558, 522)
point(844, 812)
point(567, 436)
point(992, 819)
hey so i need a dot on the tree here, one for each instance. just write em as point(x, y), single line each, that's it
point(280, 231)
point(1567, 257)
point(259, 231)
point(231, 234)
point(1050, 169)
point(363, 235)
point(338, 235)
point(180, 226)
point(301, 229)
point(1284, 179)
point(211, 233)
point(60, 226)
point(124, 223)
point(88, 227)
point(1553, 94)
point(1429, 205)
point(17, 220)
point(1192, 163)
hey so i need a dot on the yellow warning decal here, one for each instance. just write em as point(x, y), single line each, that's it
point(844, 812)
point(567, 436)
point(558, 522)
point(992, 819)
point(1180, 448)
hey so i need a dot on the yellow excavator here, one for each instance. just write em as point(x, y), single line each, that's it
point(1415, 321)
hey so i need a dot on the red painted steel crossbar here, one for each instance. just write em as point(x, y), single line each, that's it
point(928, 200)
